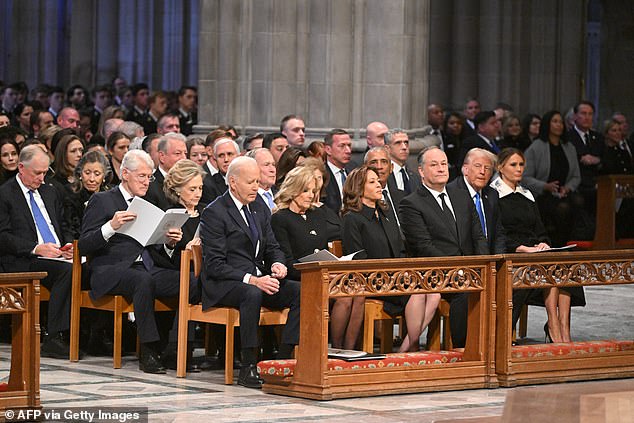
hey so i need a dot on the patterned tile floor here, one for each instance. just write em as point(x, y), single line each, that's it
point(93, 383)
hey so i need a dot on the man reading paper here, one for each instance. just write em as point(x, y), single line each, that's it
point(119, 264)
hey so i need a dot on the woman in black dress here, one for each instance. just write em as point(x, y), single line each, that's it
point(118, 144)
point(300, 228)
point(92, 174)
point(68, 152)
point(525, 233)
point(367, 228)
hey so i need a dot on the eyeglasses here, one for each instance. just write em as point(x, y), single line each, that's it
point(143, 178)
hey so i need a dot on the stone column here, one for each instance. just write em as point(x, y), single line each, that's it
point(338, 63)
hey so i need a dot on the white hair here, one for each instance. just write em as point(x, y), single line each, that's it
point(133, 158)
point(235, 167)
point(223, 141)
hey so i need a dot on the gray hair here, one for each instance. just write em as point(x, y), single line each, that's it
point(29, 152)
point(389, 135)
point(235, 168)
point(110, 126)
point(223, 141)
point(133, 158)
point(130, 128)
point(165, 139)
point(480, 152)
point(421, 155)
point(379, 149)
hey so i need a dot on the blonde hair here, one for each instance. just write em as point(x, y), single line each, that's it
point(182, 172)
point(294, 184)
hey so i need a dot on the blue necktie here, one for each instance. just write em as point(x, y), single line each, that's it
point(40, 221)
point(343, 177)
point(269, 199)
point(480, 213)
point(252, 227)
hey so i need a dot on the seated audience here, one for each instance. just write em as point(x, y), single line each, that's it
point(366, 228)
point(530, 127)
point(8, 158)
point(118, 145)
point(552, 175)
point(67, 154)
point(299, 227)
point(243, 265)
point(512, 132)
point(92, 174)
point(196, 150)
point(292, 157)
point(32, 226)
point(525, 233)
point(119, 265)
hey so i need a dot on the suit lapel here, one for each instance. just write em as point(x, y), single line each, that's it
point(237, 216)
point(451, 226)
point(22, 206)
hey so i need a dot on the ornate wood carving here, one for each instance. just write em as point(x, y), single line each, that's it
point(405, 281)
point(573, 274)
point(11, 300)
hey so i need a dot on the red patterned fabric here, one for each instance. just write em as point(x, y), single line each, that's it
point(285, 368)
point(570, 348)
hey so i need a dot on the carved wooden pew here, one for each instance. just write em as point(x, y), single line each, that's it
point(313, 377)
point(561, 362)
point(20, 297)
point(609, 189)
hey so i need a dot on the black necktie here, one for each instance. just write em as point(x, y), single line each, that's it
point(586, 138)
point(407, 187)
point(447, 212)
point(252, 227)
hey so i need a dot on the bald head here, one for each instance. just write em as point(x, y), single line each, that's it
point(374, 134)
point(435, 115)
point(68, 118)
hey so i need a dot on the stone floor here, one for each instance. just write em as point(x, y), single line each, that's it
point(93, 383)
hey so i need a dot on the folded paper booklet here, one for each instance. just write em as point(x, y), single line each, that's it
point(325, 255)
point(353, 355)
point(151, 223)
point(565, 248)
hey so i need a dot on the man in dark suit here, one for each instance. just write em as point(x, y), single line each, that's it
point(471, 109)
point(338, 147)
point(187, 96)
point(225, 150)
point(477, 170)
point(397, 142)
point(243, 265)
point(140, 93)
point(31, 226)
point(589, 145)
point(157, 108)
point(438, 220)
point(379, 158)
point(488, 127)
point(268, 172)
point(171, 148)
point(119, 265)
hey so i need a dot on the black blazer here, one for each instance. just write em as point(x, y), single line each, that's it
point(414, 181)
point(298, 237)
point(474, 141)
point(213, 187)
point(18, 234)
point(496, 236)
point(333, 196)
point(362, 231)
point(594, 147)
point(155, 193)
point(426, 229)
point(108, 259)
point(228, 251)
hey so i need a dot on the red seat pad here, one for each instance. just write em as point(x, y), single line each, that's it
point(570, 348)
point(4, 387)
point(285, 368)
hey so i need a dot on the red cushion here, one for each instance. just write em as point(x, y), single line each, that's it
point(570, 348)
point(285, 368)
point(4, 387)
point(581, 245)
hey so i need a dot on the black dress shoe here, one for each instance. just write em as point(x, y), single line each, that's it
point(55, 347)
point(207, 362)
point(149, 362)
point(249, 377)
point(99, 344)
point(169, 358)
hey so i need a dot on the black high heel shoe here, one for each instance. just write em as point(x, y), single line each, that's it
point(547, 338)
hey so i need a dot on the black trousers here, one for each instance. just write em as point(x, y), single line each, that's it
point(458, 313)
point(58, 283)
point(249, 299)
point(143, 287)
